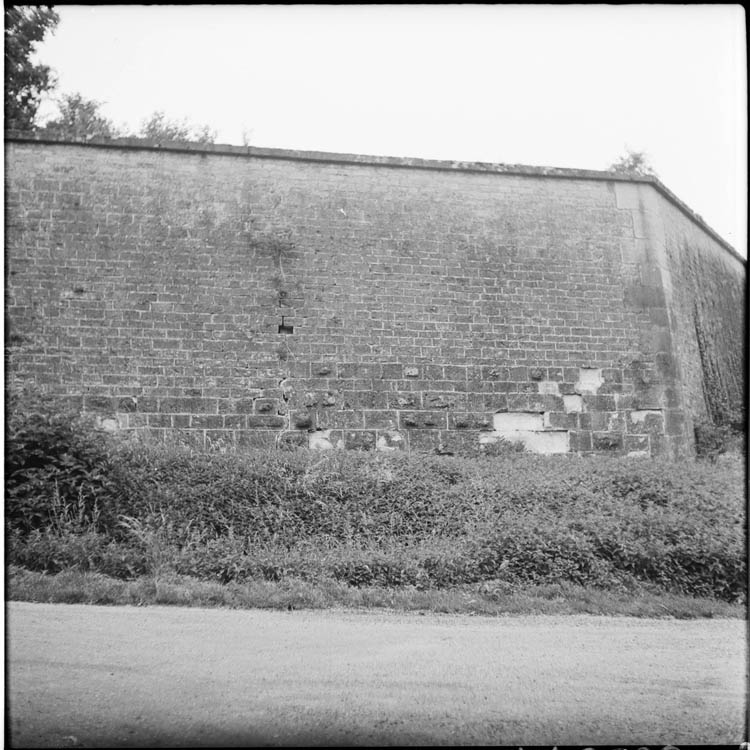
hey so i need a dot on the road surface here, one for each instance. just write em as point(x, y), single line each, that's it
point(89, 676)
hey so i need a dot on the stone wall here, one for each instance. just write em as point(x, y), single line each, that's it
point(249, 297)
point(708, 316)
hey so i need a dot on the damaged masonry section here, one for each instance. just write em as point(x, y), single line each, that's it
point(535, 429)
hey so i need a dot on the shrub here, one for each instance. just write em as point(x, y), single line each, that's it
point(54, 461)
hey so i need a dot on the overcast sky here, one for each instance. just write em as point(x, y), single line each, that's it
point(565, 86)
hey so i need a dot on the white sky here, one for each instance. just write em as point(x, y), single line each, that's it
point(565, 86)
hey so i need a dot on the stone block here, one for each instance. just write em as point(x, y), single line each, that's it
point(266, 406)
point(573, 404)
point(674, 423)
point(580, 441)
point(469, 421)
point(360, 440)
point(560, 420)
point(450, 400)
point(464, 443)
point(404, 400)
point(538, 402)
point(512, 422)
point(645, 421)
point(392, 371)
point(255, 439)
point(127, 404)
point(589, 380)
point(100, 404)
point(292, 440)
point(534, 441)
point(607, 441)
point(424, 441)
point(494, 372)
point(303, 419)
point(207, 421)
point(351, 370)
point(599, 402)
point(335, 419)
point(381, 420)
point(265, 422)
point(637, 444)
point(548, 387)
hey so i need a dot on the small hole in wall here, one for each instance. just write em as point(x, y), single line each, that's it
point(285, 328)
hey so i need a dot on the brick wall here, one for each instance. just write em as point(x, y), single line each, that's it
point(242, 297)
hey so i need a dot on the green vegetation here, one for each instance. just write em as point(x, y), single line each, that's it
point(317, 529)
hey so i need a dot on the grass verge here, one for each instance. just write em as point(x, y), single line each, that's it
point(80, 587)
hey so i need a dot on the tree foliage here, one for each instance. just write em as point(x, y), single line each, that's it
point(634, 163)
point(159, 127)
point(25, 81)
point(80, 118)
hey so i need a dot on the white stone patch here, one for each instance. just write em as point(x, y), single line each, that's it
point(551, 441)
point(513, 421)
point(573, 404)
point(589, 380)
point(529, 429)
point(107, 424)
point(541, 441)
point(640, 415)
point(638, 454)
point(320, 440)
point(549, 388)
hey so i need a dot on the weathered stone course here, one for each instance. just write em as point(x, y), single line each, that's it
point(247, 298)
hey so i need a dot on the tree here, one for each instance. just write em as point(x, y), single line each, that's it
point(634, 163)
point(159, 128)
point(25, 81)
point(80, 118)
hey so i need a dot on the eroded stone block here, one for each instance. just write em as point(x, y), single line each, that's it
point(359, 440)
point(107, 424)
point(382, 420)
point(646, 421)
point(390, 440)
point(422, 420)
point(323, 440)
point(607, 441)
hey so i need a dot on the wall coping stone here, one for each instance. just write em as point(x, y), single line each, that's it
point(379, 161)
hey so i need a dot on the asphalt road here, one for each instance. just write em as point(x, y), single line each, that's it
point(91, 676)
